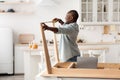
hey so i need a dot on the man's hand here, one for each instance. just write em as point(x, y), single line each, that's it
point(44, 26)
point(57, 20)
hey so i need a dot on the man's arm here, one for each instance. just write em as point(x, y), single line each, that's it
point(45, 27)
point(53, 29)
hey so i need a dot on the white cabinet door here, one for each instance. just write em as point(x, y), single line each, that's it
point(116, 11)
point(113, 55)
point(19, 59)
point(86, 10)
point(97, 11)
point(94, 10)
point(31, 63)
point(94, 51)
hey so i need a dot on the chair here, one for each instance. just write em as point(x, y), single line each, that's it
point(68, 69)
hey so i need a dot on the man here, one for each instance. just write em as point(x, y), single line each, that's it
point(69, 30)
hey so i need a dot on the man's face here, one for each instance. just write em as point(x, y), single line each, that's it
point(68, 17)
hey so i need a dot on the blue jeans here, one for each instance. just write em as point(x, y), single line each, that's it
point(73, 59)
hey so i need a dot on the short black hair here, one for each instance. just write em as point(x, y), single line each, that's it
point(74, 14)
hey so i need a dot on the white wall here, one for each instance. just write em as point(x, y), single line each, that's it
point(29, 23)
point(91, 33)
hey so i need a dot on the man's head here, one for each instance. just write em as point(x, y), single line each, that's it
point(71, 16)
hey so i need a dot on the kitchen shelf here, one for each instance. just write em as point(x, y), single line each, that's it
point(100, 43)
point(99, 23)
point(17, 6)
point(16, 13)
point(7, 3)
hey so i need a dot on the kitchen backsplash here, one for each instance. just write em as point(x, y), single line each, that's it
point(96, 34)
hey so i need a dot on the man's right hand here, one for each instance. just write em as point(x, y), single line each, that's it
point(44, 26)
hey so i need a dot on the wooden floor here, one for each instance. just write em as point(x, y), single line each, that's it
point(12, 77)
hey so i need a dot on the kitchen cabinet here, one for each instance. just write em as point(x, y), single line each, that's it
point(112, 55)
point(32, 58)
point(19, 58)
point(86, 10)
point(34, 62)
point(116, 11)
point(94, 52)
point(100, 11)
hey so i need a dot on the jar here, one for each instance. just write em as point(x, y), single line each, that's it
point(34, 46)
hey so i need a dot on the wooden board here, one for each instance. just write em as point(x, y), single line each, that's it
point(105, 70)
point(84, 73)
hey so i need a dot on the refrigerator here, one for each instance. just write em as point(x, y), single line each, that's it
point(6, 51)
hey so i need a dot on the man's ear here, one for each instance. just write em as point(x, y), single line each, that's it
point(71, 17)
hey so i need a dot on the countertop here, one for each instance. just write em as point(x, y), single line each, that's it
point(89, 43)
point(99, 43)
